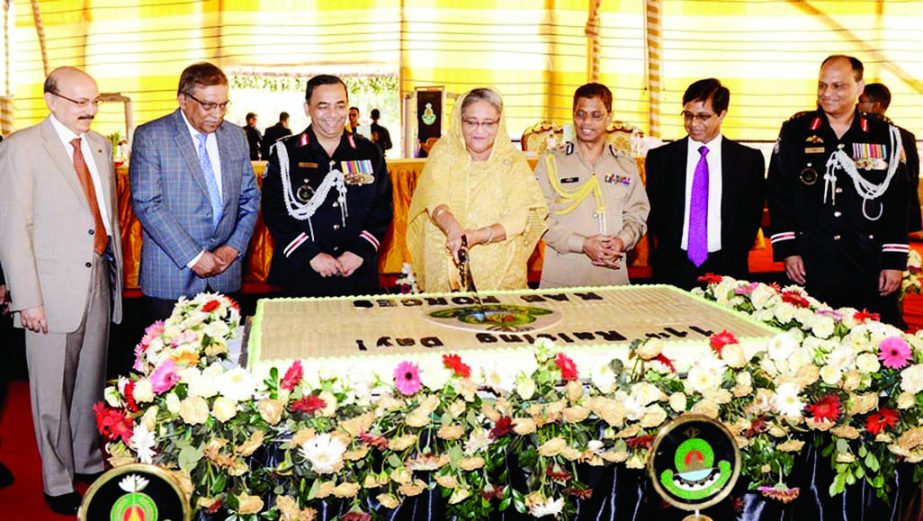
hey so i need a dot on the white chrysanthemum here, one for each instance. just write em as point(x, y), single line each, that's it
point(477, 442)
point(781, 346)
point(237, 384)
point(500, 377)
point(324, 452)
point(706, 375)
point(433, 374)
point(603, 378)
point(787, 401)
point(912, 379)
point(551, 507)
point(142, 442)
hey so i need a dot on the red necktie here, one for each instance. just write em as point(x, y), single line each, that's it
point(100, 239)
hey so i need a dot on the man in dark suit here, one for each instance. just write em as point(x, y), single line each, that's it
point(275, 132)
point(706, 194)
point(875, 100)
point(195, 194)
point(254, 139)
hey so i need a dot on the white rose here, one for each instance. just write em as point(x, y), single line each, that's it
point(823, 327)
point(912, 379)
point(762, 295)
point(733, 354)
point(646, 393)
point(784, 312)
point(173, 403)
point(744, 379)
point(868, 363)
point(237, 384)
point(603, 378)
point(781, 346)
point(831, 375)
point(905, 401)
point(144, 391)
point(650, 349)
point(224, 409)
point(678, 402)
point(525, 387)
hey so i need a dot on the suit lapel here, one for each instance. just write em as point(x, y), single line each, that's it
point(728, 180)
point(224, 150)
point(103, 167)
point(679, 178)
point(63, 163)
point(187, 149)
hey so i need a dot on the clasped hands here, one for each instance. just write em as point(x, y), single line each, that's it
point(604, 250)
point(327, 265)
point(216, 262)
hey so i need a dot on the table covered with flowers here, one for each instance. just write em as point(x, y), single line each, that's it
point(827, 418)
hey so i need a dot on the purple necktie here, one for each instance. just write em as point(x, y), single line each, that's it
point(697, 246)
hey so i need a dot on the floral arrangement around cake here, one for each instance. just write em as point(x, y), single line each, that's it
point(274, 448)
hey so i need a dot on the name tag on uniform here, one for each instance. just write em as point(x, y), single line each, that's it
point(814, 150)
point(302, 164)
point(358, 172)
point(570, 179)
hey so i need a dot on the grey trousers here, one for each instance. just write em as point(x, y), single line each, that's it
point(67, 374)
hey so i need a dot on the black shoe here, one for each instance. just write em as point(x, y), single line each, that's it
point(87, 478)
point(6, 477)
point(65, 504)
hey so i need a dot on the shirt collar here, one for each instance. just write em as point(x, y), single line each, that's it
point(712, 146)
point(192, 130)
point(67, 135)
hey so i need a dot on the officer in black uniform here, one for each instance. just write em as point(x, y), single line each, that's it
point(326, 201)
point(837, 197)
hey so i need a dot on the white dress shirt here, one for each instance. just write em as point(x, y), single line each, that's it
point(714, 190)
point(67, 135)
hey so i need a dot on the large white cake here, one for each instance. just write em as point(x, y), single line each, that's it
point(368, 336)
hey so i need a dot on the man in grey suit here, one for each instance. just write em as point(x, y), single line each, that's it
point(60, 250)
point(195, 194)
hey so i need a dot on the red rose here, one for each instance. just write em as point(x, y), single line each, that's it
point(719, 340)
point(455, 363)
point(567, 366)
point(211, 305)
point(503, 427)
point(827, 408)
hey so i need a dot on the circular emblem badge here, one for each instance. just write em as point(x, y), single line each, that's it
point(496, 317)
point(137, 492)
point(809, 176)
point(304, 193)
point(694, 462)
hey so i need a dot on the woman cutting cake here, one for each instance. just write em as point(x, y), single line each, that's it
point(478, 190)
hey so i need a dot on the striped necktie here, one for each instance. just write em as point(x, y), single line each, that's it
point(214, 194)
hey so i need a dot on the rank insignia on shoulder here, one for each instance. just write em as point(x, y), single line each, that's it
point(358, 172)
point(814, 139)
point(617, 179)
point(306, 164)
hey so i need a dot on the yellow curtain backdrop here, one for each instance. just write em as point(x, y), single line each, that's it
point(533, 51)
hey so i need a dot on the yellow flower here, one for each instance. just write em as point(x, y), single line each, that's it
point(575, 414)
point(412, 489)
point(359, 424)
point(249, 447)
point(346, 489)
point(356, 454)
point(678, 402)
point(194, 410)
point(573, 390)
point(401, 476)
point(552, 447)
point(271, 410)
point(472, 463)
point(404, 442)
point(847, 432)
point(450, 432)
point(791, 446)
point(523, 426)
point(446, 481)
point(224, 408)
point(249, 504)
point(326, 488)
point(389, 501)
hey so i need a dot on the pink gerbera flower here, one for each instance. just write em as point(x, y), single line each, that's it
point(894, 352)
point(407, 378)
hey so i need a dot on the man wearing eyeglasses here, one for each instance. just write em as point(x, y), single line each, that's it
point(326, 201)
point(61, 254)
point(706, 193)
point(837, 191)
point(596, 200)
point(195, 194)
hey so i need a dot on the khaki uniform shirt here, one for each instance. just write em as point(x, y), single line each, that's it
point(626, 215)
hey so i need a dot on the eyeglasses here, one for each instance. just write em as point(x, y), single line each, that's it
point(209, 106)
point(701, 118)
point(474, 124)
point(83, 103)
point(595, 116)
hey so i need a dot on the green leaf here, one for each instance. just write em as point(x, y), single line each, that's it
point(315, 488)
point(862, 451)
point(189, 457)
point(505, 503)
point(871, 462)
point(394, 461)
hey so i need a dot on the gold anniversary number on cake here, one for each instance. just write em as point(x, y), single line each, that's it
point(589, 322)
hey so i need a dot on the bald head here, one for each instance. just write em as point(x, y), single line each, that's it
point(72, 97)
point(839, 85)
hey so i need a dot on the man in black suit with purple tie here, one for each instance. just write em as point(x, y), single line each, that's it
point(706, 194)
